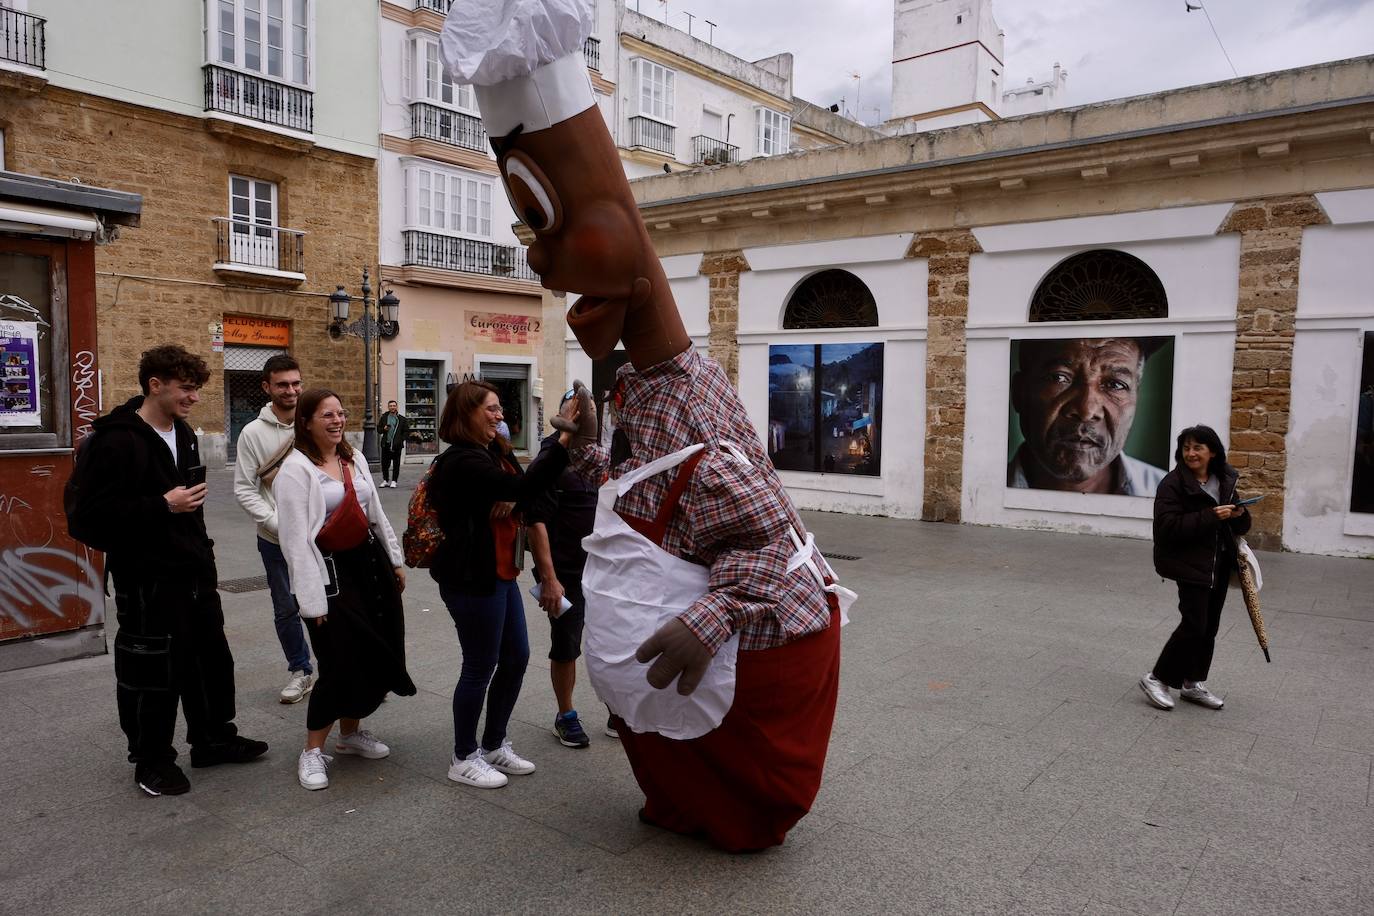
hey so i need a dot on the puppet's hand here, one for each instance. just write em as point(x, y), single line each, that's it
point(578, 418)
point(677, 650)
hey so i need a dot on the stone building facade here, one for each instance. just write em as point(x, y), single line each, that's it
point(888, 289)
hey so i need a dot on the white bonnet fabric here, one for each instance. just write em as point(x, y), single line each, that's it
point(523, 59)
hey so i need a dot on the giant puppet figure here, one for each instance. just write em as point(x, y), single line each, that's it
point(700, 575)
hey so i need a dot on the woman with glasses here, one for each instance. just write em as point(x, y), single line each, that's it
point(480, 491)
point(347, 575)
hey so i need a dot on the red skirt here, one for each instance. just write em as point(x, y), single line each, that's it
point(745, 784)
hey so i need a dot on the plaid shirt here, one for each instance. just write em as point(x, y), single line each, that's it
point(733, 519)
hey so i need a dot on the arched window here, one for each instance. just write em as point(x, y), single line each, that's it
point(1099, 285)
point(831, 299)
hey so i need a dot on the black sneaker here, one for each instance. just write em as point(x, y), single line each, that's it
point(569, 730)
point(610, 728)
point(161, 778)
point(237, 749)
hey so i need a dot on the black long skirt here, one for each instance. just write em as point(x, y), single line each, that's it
point(360, 649)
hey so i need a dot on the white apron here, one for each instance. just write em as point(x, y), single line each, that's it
point(632, 587)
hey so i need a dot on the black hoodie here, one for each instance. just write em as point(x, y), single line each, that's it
point(133, 469)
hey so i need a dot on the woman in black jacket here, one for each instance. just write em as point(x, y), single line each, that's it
point(1196, 525)
point(479, 490)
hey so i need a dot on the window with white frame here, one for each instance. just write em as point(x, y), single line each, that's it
point(271, 37)
point(773, 132)
point(253, 222)
point(426, 79)
point(653, 90)
point(448, 201)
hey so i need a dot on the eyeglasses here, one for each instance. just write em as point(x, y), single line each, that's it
point(341, 415)
point(496, 409)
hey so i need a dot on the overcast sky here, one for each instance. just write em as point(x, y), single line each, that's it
point(1110, 48)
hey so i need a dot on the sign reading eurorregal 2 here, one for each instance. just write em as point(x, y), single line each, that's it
point(499, 328)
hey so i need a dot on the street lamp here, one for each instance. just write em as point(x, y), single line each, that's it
point(374, 324)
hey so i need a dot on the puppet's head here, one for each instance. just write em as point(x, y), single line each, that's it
point(562, 172)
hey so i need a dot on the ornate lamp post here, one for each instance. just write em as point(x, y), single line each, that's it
point(374, 324)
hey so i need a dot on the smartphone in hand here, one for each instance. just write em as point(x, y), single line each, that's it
point(195, 476)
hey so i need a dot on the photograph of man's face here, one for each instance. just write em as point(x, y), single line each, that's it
point(1090, 415)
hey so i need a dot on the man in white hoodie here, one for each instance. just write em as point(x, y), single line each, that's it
point(262, 446)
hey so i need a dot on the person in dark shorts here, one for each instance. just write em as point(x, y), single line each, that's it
point(558, 522)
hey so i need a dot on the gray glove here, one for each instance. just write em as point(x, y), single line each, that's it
point(582, 424)
point(678, 650)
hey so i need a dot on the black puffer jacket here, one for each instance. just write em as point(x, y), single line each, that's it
point(1191, 544)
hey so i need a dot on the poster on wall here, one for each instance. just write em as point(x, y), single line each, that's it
point(1090, 415)
point(825, 419)
point(19, 374)
point(1362, 476)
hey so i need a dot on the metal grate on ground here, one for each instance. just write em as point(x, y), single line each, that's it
point(839, 556)
point(239, 586)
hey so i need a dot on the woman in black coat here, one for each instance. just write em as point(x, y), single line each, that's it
point(1196, 525)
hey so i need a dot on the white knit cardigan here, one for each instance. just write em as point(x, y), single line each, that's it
point(301, 515)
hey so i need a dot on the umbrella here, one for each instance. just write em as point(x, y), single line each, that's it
point(1250, 589)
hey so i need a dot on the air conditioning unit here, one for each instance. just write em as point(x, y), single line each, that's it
point(503, 261)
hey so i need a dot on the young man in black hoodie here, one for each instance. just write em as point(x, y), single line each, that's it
point(170, 643)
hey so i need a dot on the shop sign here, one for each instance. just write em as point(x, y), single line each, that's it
point(19, 374)
point(252, 331)
point(498, 328)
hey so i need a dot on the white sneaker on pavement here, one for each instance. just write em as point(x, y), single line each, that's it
point(298, 687)
point(363, 743)
point(1156, 691)
point(1197, 692)
point(313, 768)
point(476, 772)
point(506, 760)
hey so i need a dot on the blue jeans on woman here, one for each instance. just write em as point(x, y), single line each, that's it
point(496, 649)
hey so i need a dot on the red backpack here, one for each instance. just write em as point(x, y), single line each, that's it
point(423, 535)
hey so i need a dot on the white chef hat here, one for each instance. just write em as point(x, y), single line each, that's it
point(523, 59)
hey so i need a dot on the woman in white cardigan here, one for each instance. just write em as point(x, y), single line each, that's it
point(347, 574)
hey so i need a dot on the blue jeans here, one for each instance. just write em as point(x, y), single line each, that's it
point(496, 649)
point(284, 612)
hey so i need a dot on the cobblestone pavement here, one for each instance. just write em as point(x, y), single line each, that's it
point(991, 754)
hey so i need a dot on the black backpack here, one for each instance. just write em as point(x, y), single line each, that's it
point(82, 524)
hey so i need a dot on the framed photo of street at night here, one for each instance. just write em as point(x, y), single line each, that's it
point(826, 420)
point(1362, 472)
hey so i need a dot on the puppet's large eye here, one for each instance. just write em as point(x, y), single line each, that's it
point(531, 194)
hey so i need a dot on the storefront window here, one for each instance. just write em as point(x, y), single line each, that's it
point(31, 383)
point(513, 385)
point(826, 421)
point(422, 405)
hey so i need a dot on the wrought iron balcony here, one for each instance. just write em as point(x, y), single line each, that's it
point(248, 96)
point(710, 151)
point(591, 49)
point(22, 38)
point(651, 134)
point(239, 243)
point(430, 249)
point(430, 122)
point(439, 6)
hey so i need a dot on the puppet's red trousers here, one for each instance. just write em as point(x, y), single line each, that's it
point(745, 784)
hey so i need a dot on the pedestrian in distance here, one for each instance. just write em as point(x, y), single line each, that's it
point(558, 521)
point(137, 493)
point(347, 574)
point(480, 492)
point(262, 448)
point(1196, 525)
point(392, 429)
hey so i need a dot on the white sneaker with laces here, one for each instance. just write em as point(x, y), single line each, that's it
point(298, 687)
point(1197, 692)
point(1156, 691)
point(506, 760)
point(476, 772)
point(363, 743)
point(313, 768)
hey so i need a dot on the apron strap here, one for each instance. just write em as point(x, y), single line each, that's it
point(656, 529)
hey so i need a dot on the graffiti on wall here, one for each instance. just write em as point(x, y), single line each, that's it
point(85, 400)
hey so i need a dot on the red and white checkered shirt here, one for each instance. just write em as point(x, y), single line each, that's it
point(732, 518)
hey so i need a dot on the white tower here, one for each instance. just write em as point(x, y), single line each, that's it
point(946, 64)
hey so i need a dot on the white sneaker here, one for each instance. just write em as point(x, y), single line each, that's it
point(1198, 693)
point(363, 743)
point(313, 768)
point(298, 687)
point(1156, 691)
point(475, 771)
point(506, 760)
